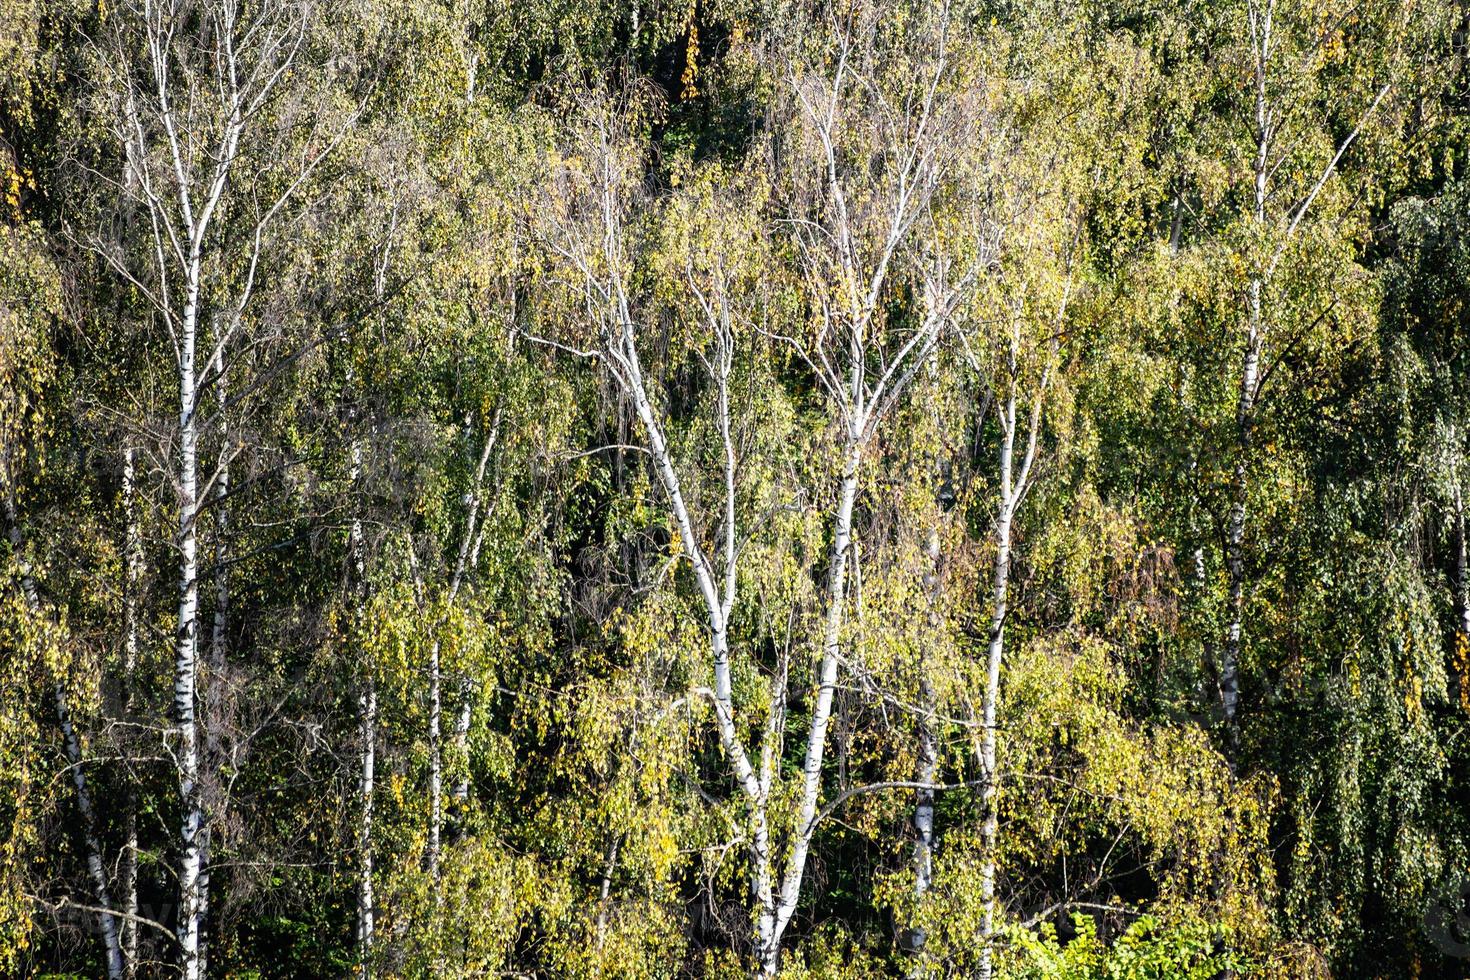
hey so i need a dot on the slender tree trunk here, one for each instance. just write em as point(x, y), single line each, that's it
point(1014, 485)
point(133, 566)
point(436, 768)
point(469, 548)
point(1245, 415)
point(924, 772)
point(186, 666)
point(96, 870)
point(1235, 530)
point(762, 877)
point(756, 788)
point(1462, 567)
point(927, 766)
point(367, 703)
point(609, 865)
point(460, 794)
point(367, 712)
point(476, 517)
point(763, 892)
point(816, 745)
point(990, 792)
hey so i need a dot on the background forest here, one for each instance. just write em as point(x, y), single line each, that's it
point(713, 488)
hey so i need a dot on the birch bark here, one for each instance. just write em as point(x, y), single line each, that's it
point(468, 552)
point(1245, 415)
point(596, 253)
point(816, 743)
point(1014, 481)
point(1462, 564)
point(587, 232)
point(436, 772)
point(367, 709)
point(208, 73)
point(477, 515)
point(1000, 583)
point(133, 569)
point(1268, 115)
point(927, 766)
point(186, 638)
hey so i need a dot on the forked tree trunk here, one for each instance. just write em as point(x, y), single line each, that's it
point(717, 610)
point(1014, 483)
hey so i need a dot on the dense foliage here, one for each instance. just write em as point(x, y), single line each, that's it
point(736, 487)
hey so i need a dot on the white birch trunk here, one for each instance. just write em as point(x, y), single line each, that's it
point(990, 800)
point(717, 608)
point(469, 553)
point(1014, 484)
point(133, 565)
point(367, 710)
point(106, 921)
point(598, 257)
point(1462, 566)
point(816, 743)
point(924, 772)
point(186, 666)
point(198, 113)
point(460, 794)
point(1260, 19)
point(1235, 530)
point(469, 547)
point(366, 911)
point(1246, 407)
point(604, 893)
point(927, 766)
point(436, 770)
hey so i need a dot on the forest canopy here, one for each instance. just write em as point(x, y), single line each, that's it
point(729, 488)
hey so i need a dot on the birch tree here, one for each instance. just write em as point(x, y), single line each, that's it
point(183, 120)
point(466, 556)
point(598, 195)
point(856, 239)
point(732, 488)
point(1020, 410)
point(131, 586)
point(1282, 197)
point(878, 126)
point(367, 734)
